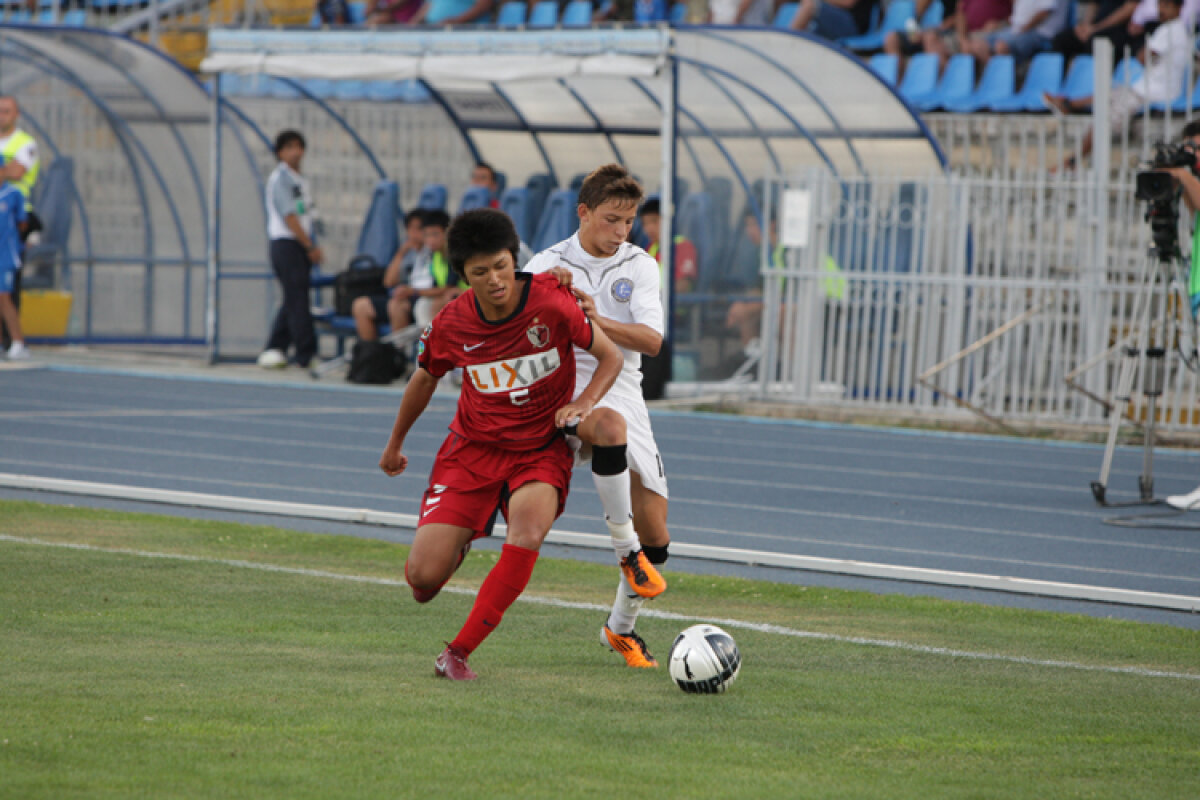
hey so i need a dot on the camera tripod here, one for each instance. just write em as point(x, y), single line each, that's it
point(1142, 353)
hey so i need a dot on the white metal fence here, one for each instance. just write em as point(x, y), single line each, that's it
point(954, 295)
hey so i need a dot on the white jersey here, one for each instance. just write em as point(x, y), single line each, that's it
point(625, 288)
point(288, 193)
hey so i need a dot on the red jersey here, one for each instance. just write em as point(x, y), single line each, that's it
point(516, 371)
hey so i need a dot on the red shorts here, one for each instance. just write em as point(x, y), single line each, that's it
point(470, 481)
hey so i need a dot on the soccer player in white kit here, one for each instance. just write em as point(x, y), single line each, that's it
point(617, 284)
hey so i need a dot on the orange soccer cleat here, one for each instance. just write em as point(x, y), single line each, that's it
point(630, 646)
point(642, 576)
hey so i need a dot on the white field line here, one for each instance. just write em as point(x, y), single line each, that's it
point(737, 624)
point(734, 555)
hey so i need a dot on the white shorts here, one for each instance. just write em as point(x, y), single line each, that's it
point(641, 451)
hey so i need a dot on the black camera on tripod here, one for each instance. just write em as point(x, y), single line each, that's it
point(1161, 193)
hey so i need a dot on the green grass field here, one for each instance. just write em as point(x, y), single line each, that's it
point(200, 674)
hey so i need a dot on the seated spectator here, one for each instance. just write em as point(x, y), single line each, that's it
point(614, 11)
point(392, 12)
point(433, 283)
point(745, 316)
point(1030, 29)
point(963, 18)
point(834, 19)
point(333, 12)
point(1167, 53)
point(484, 175)
point(685, 252)
point(1108, 19)
point(396, 304)
point(452, 12)
point(740, 12)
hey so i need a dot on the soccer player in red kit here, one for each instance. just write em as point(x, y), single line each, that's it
point(513, 335)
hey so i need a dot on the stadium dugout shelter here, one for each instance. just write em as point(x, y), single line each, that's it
point(705, 115)
point(168, 232)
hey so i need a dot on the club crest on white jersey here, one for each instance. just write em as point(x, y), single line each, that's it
point(509, 374)
point(622, 290)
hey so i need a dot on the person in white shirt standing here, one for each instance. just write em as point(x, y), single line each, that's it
point(617, 284)
point(293, 252)
point(1166, 55)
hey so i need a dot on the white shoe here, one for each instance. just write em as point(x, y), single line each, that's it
point(272, 359)
point(1185, 502)
point(18, 352)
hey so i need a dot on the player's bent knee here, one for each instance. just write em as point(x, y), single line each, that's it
point(605, 427)
point(609, 459)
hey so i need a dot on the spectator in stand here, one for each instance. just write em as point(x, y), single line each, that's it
point(1167, 53)
point(12, 220)
point(452, 12)
point(433, 282)
point(740, 12)
point(392, 12)
point(484, 175)
point(963, 18)
point(1145, 20)
point(396, 304)
point(834, 19)
point(1108, 19)
point(685, 252)
point(614, 11)
point(1030, 29)
point(333, 12)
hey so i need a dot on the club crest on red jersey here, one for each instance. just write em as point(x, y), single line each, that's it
point(539, 334)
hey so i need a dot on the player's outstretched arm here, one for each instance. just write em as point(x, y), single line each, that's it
point(416, 397)
point(610, 363)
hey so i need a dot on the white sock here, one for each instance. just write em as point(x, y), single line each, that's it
point(618, 510)
point(625, 608)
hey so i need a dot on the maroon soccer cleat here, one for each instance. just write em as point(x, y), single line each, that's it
point(452, 664)
point(425, 595)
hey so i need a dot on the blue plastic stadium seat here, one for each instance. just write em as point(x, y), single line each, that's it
point(1127, 71)
point(515, 203)
point(379, 236)
point(433, 195)
point(785, 15)
point(886, 66)
point(540, 186)
point(997, 82)
point(956, 84)
point(1044, 76)
point(75, 18)
point(475, 197)
point(1080, 81)
point(920, 78)
point(577, 14)
point(697, 222)
point(678, 13)
point(559, 220)
point(544, 14)
point(53, 197)
point(511, 14)
point(358, 12)
point(897, 15)
point(933, 16)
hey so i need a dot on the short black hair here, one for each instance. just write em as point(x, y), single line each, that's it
point(416, 213)
point(651, 206)
point(480, 231)
point(1190, 130)
point(486, 166)
point(435, 218)
point(287, 137)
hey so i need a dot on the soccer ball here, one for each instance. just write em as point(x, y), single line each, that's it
point(704, 660)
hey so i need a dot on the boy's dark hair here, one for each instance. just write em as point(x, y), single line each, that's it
point(416, 213)
point(1190, 130)
point(480, 231)
point(488, 167)
point(287, 137)
point(651, 206)
point(436, 218)
point(610, 182)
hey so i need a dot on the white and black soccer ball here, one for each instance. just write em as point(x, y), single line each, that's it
point(704, 660)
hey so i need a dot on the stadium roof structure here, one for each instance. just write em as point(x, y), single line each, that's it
point(748, 102)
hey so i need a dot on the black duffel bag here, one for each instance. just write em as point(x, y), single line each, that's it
point(362, 277)
point(376, 362)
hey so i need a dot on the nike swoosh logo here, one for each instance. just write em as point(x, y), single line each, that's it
point(472, 347)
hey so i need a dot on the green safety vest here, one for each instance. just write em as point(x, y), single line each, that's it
point(441, 272)
point(19, 139)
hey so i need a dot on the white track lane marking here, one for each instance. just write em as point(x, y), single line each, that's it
point(759, 627)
